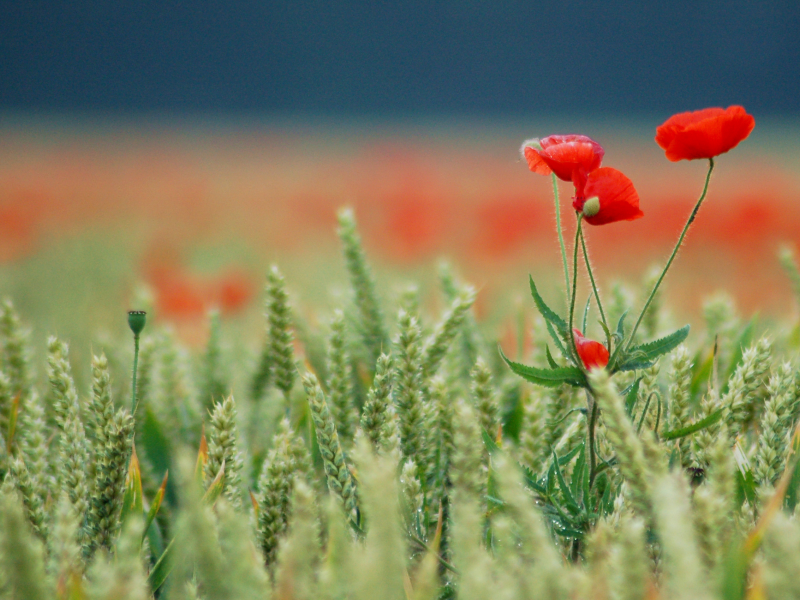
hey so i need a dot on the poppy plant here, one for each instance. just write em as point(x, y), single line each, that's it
point(704, 133)
point(593, 354)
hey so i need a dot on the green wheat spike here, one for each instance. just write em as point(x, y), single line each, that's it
point(223, 448)
point(295, 576)
point(213, 377)
point(59, 372)
point(274, 492)
point(64, 558)
point(679, 394)
point(485, 398)
point(111, 467)
point(685, 579)
point(72, 472)
point(532, 440)
point(243, 569)
point(340, 382)
point(467, 470)
point(378, 418)
point(101, 403)
point(631, 456)
point(776, 424)
point(408, 385)
point(380, 564)
point(14, 359)
point(34, 505)
point(22, 555)
point(741, 397)
point(337, 472)
point(123, 576)
point(279, 353)
point(372, 327)
point(33, 441)
point(441, 340)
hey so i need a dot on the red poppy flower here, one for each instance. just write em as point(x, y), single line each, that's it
point(593, 354)
point(570, 157)
point(609, 196)
point(704, 133)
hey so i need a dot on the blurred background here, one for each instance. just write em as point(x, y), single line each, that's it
point(166, 153)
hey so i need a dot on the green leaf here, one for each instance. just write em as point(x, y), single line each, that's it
point(155, 506)
point(633, 365)
point(632, 397)
point(491, 445)
point(547, 377)
point(620, 333)
point(694, 427)
point(215, 489)
point(652, 350)
point(559, 344)
point(701, 371)
point(550, 361)
point(132, 501)
point(156, 446)
point(162, 568)
point(548, 314)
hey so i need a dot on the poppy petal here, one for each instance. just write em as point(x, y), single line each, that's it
point(562, 155)
point(592, 354)
point(619, 200)
point(535, 162)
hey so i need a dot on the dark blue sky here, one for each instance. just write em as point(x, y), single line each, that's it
point(416, 57)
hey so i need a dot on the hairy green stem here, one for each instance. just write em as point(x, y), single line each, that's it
point(671, 258)
point(134, 403)
point(560, 231)
point(574, 291)
point(596, 291)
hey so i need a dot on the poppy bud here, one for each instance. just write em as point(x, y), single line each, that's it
point(591, 207)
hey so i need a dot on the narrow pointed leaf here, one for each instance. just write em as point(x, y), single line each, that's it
point(215, 489)
point(132, 500)
point(163, 567)
point(632, 397)
point(550, 360)
point(548, 313)
point(652, 350)
point(202, 458)
point(547, 377)
point(557, 340)
point(155, 505)
point(694, 427)
point(256, 508)
point(621, 326)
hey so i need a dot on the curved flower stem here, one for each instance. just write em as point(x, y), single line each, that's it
point(596, 292)
point(574, 292)
point(671, 257)
point(560, 231)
